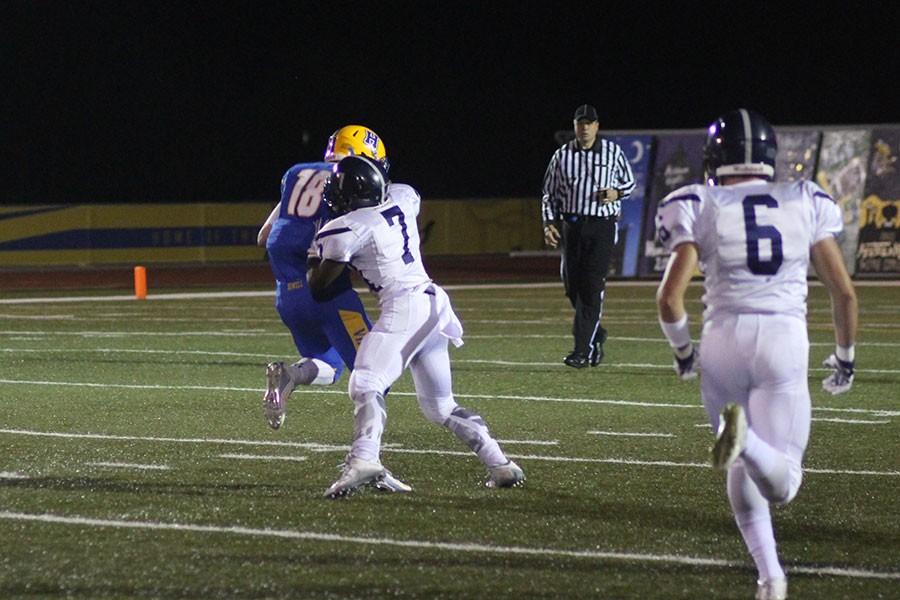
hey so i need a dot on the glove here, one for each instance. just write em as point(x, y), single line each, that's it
point(686, 368)
point(841, 377)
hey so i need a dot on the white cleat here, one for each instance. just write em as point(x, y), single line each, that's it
point(731, 439)
point(771, 589)
point(357, 473)
point(507, 475)
point(389, 483)
point(278, 388)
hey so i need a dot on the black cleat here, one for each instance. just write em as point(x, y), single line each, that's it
point(576, 360)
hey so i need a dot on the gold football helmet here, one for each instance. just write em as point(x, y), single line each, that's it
point(355, 140)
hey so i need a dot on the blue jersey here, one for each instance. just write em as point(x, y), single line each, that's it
point(302, 214)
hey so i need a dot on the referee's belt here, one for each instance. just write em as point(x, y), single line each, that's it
point(575, 218)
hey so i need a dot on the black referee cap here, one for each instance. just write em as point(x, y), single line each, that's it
point(586, 112)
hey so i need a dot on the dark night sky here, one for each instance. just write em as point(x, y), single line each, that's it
point(201, 101)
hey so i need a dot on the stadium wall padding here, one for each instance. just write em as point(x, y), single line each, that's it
point(858, 166)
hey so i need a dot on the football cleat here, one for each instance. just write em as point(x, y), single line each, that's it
point(356, 473)
point(507, 475)
point(389, 483)
point(771, 589)
point(576, 360)
point(731, 439)
point(278, 388)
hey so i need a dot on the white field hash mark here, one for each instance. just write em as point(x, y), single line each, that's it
point(426, 545)
point(317, 447)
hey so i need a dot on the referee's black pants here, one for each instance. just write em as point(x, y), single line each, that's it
point(588, 244)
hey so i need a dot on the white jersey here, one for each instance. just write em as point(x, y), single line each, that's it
point(380, 242)
point(754, 240)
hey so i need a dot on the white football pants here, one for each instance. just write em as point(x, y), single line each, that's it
point(413, 330)
point(760, 361)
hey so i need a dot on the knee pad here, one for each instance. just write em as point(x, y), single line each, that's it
point(363, 381)
point(794, 480)
point(437, 410)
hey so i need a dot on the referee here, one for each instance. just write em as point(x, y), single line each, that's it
point(584, 185)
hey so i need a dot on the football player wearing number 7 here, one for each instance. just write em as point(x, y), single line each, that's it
point(376, 234)
point(753, 239)
point(326, 334)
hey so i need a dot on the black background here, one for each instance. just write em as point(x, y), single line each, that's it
point(201, 101)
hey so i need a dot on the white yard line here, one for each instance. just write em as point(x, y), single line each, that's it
point(454, 547)
point(263, 457)
point(318, 391)
point(850, 421)
point(627, 434)
point(531, 442)
point(123, 465)
point(319, 447)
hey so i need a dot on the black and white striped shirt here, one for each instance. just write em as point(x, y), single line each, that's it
point(574, 176)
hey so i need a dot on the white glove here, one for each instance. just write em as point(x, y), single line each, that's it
point(686, 368)
point(841, 378)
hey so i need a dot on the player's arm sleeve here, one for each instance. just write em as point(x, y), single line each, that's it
point(336, 242)
point(828, 220)
point(626, 179)
point(676, 218)
point(408, 196)
point(550, 191)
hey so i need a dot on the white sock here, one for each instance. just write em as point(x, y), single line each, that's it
point(751, 513)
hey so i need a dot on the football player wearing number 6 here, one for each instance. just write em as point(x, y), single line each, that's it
point(326, 334)
point(753, 239)
point(376, 234)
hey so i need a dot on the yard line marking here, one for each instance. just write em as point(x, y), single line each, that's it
point(319, 447)
point(877, 412)
point(263, 457)
point(531, 442)
point(12, 475)
point(122, 465)
point(627, 434)
point(428, 545)
point(851, 421)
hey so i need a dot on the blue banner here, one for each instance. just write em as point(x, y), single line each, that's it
point(638, 149)
point(678, 162)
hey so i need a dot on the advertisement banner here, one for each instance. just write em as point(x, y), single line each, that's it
point(879, 212)
point(678, 162)
point(797, 152)
point(842, 173)
point(638, 149)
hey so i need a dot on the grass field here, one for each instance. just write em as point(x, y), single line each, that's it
point(135, 462)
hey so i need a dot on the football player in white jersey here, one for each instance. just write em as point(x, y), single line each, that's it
point(376, 234)
point(753, 240)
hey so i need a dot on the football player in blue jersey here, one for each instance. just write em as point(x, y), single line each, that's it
point(326, 334)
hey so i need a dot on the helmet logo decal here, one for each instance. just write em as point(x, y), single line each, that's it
point(371, 139)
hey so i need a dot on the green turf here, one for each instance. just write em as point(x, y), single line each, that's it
point(178, 383)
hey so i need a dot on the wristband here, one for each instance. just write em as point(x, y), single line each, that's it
point(845, 353)
point(678, 333)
